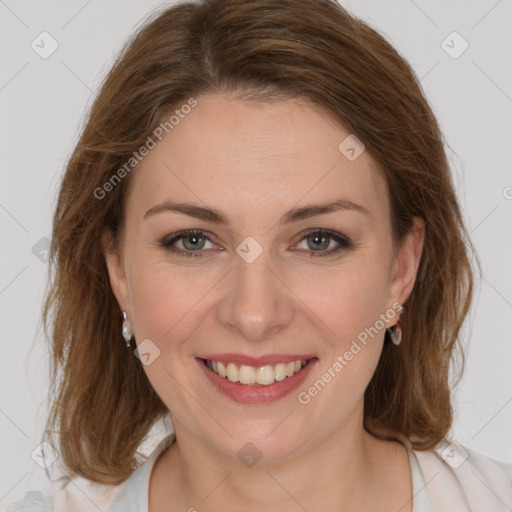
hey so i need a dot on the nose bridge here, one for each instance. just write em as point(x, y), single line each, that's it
point(256, 303)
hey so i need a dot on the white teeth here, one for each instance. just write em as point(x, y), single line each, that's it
point(264, 375)
point(280, 371)
point(247, 374)
point(232, 372)
point(221, 369)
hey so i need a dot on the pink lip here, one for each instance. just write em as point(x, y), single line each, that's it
point(269, 359)
point(257, 394)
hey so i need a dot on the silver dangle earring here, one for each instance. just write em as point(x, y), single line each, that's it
point(395, 332)
point(127, 330)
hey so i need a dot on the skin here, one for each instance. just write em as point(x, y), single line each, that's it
point(253, 161)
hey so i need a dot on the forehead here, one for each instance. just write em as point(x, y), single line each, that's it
point(245, 155)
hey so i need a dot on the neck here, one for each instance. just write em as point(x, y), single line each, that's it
point(344, 471)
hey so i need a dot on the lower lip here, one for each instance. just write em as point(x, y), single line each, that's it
point(248, 394)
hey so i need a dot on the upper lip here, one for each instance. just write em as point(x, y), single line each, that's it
point(264, 360)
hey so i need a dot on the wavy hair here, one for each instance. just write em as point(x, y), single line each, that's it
point(102, 404)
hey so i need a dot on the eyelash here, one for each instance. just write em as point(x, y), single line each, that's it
point(343, 241)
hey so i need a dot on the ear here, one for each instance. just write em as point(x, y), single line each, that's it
point(406, 263)
point(116, 271)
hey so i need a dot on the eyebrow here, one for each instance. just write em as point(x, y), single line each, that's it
point(293, 215)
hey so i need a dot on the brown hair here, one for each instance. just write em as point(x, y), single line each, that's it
point(102, 403)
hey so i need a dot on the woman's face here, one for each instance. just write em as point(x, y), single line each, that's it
point(255, 285)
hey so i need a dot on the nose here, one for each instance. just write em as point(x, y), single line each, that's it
point(257, 303)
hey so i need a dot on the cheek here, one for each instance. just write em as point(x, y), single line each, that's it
point(353, 312)
point(349, 300)
point(167, 306)
point(166, 301)
point(358, 313)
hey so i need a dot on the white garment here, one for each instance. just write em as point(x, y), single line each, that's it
point(134, 495)
point(450, 478)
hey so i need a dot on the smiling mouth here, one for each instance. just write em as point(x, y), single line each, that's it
point(253, 376)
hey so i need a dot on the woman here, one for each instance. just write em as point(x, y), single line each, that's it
point(258, 234)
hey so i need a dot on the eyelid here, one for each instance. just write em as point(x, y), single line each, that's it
point(168, 241)
point(344, 242)
point(333, 234)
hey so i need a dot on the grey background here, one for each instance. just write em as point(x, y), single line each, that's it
point(42, 104)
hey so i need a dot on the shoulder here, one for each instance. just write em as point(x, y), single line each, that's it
point(79, 495)
point(465, 478)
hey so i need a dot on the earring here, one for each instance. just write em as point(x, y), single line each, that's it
point(127, 330)
point(395, 332)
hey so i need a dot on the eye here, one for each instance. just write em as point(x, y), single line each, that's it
point(192, 241)
point(325, 243)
